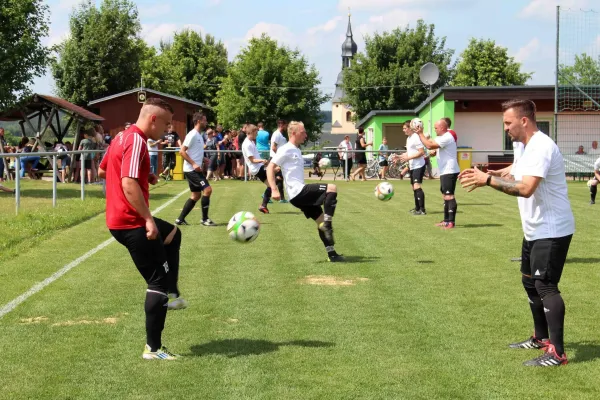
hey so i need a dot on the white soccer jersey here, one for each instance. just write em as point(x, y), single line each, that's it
point(278, 139)
point(413, 144)
point(195, 149)
point(547, 213)
point(597, 165)
point(446, 156)
point(289, 158)
point(249, 150)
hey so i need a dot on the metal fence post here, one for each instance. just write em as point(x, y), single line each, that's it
point(17, 184)
point(54, 175)
point(82, 164)
point(346, 165)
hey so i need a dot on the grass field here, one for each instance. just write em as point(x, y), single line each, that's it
point(416, 313)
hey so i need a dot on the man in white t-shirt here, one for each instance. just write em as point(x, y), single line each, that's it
point(445, 144)
point(594, 182)
point(192, 151)
point(256, 165)
point(415, 155)
point(345, 154)
point(548, 226)
point(277, 141)
point(308, 198)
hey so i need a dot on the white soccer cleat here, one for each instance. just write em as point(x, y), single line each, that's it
point(176, 303)
point(160, 354)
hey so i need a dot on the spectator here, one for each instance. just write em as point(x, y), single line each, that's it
point(262, 141)
point(580, 150)
point(171, 141)
point(212, 148)
point(26, 146)
point(346, 154)
point(85, 145)
point(3, 149)
point(594, 149)
point(153, 150)
point(65, 160)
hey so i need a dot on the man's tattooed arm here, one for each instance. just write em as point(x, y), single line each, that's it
point(511, 187)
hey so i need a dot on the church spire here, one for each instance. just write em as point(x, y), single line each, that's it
point(349, 47)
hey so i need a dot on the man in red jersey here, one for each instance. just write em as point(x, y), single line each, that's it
point(152, 243)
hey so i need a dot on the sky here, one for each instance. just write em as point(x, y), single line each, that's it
point(527, 28)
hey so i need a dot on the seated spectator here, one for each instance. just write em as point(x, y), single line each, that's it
point(65, 160)
point(26, 146)
point(580, 150)
point(594, 149)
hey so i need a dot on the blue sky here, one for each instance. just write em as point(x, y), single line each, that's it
point(317, 27)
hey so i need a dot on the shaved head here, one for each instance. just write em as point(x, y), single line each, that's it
point(155, 117)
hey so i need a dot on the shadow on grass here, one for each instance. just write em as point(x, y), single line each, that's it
point(245, 347)
point(287, 212)
point(584, 351)
point(479, 226)
point(425, 262)
point(358, 259)
point(581, 260)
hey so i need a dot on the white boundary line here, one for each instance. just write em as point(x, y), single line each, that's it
point(41, 285)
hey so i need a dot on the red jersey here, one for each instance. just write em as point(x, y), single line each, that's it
point(126, 157)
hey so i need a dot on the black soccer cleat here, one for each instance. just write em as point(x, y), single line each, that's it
point(548, 359)
point(336, 258)
point(531, 343)
point(263, 210)
point(181, 222)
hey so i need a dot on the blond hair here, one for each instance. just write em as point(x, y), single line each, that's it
point(294, 126)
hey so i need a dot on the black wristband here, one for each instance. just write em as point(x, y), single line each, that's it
point(489, 180)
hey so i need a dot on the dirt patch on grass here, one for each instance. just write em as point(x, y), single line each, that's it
point(33, 320)
point(326, 280)
point(105, 321)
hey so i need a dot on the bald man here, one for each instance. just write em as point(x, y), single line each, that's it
point(445, 146)
point(152, 243)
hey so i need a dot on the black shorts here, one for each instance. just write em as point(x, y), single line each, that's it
point(149, 256)
point(310, 199)
point(448, 183)
point(361, 159)
point(544, 259)
point(197, 181)
point(383, 163)
point(416, 175)
point(87, 164)
point(262, 174)
point(168, 160)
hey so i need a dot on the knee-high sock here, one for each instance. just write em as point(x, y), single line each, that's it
point(187, 208)
point(329, 247)
point(266, 196)
point(555, 315)
point(416, 199)
point(279, 183)
point(205, 203)
point(420, 198)
point(156, 314)
point(537, 309)
point(452, 209)
point(329, 206)
point(172, 250)
point(446, 217)
point(593, 191)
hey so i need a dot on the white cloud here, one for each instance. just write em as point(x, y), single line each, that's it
point(343, 5)
point(278, 32)
point(154, 10)
point(69, 4)
point(527, 51)
point(546, 9)
point(391, 20)
point(154, 33)
point(326, 27)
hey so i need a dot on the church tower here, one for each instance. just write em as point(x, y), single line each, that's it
point(341, 114)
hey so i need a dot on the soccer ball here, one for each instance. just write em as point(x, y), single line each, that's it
point(324, 162)
point(384, 191)
point(243, 227)
point(416, 124)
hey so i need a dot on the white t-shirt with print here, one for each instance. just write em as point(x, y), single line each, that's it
point(195, 149)
point(547, 213)
point(413, 144)
point(278, 139)
point(446, 155)
point(289, 158)
point(345, 146)
point(249, 150)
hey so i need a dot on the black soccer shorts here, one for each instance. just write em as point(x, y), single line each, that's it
point(310, 199)
point(544, 259)
point(262, 174)
point(197, 181)
point(416, 175)
point(149, 256)
point(448, 183)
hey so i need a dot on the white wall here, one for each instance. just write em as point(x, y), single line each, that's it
point(575, 130)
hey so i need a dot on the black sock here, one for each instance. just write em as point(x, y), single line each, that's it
point(172, 250)
point(266, 196)
point(156, 314)
point(416, 200)
point(446, 217)
point(329, 206)
point(537, 312)
point(279, 183)
point(187, 208)
point(420, 199)
point(452, 208)
point(593, 191)
point(205, 202)
point(554, 306)
point(328, 245)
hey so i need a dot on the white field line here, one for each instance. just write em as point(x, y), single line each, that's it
point(41, 285)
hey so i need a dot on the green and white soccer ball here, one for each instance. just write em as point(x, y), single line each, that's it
point(384, 191)
point(243, 227)
point(325, 162)
point(416, 124)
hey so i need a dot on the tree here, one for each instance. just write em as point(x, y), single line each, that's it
point(267, 81)
point(23, 24)
point(584, 71)
point(103, 53)
point(386, 76)
point(483, 63)
point(191, 66)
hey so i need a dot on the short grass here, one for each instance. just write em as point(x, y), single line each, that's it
point(422, 313)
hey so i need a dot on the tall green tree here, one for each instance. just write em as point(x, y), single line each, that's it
point(484, 63)
point(267, 81)
point(386, 75)
point(191, 66)
point(103, 53)
point(584, 71)
point(23, 24)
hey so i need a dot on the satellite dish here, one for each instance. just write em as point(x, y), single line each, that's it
point(429, 74)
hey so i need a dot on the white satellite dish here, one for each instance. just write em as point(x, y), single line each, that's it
point(429, 74)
